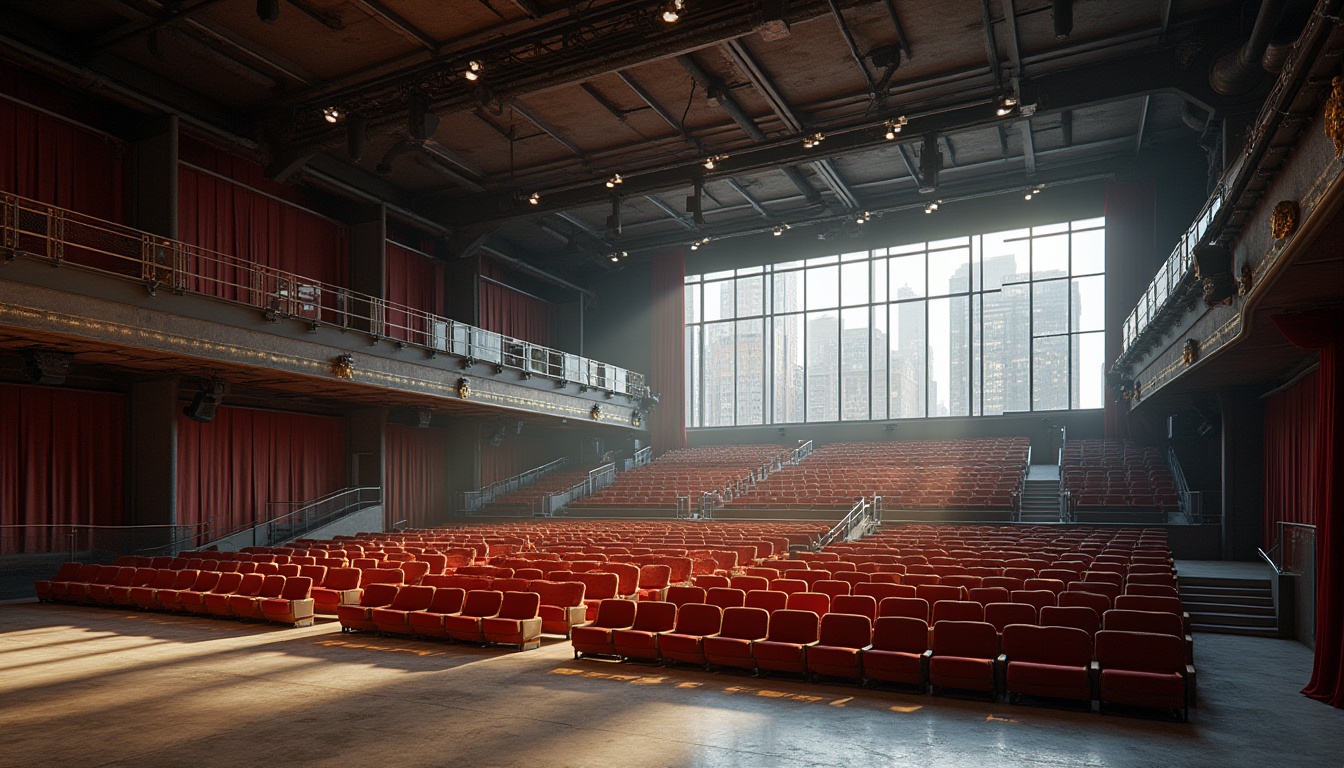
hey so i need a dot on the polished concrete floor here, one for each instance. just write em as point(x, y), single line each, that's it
point(98, 687)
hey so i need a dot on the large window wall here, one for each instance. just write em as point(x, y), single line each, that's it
point(967, 326)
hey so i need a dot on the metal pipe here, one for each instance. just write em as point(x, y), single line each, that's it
point(1239, 71)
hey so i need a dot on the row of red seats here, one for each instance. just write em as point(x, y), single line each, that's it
point(1112, 667)
point(480, 616)
point(687, 472)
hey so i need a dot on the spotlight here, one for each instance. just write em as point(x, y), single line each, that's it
point(894, 127)
point(331, 114)
point(614, 180)
point(712, 161)
point(614, 257)
point(695, 246)
point(1005, 104)
point(813, 140)
point(534, 198)
point(1036, 190)
point(862, 217)
point(672, 11)
point(933, 206)
point(474, 70)
point(781, 229)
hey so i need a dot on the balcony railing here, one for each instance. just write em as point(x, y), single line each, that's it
point(31, 229)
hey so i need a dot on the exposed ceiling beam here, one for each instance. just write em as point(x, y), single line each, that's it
point(532, 8)
point(900, 30)
point(740, 56)
point(715, 89)
point(326, 18)
point(1003, 139)
point(1028, 146)
point(1014, 43)
point(397, 23)
point(800, 181)
point(948, 152)
point(604, 102)
point(853, 47)
point(671, 212)
point(751, 199)
point(1066, 127)
point(648, 98)
point(992, 46)
point(1143, 122)
point(909, 163)
point(549, 131)
point(122, 35)
point(250, 50)
point(831, 175)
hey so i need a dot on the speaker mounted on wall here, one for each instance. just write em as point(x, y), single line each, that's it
point(205, 404)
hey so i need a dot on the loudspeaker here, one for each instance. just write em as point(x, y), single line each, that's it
point(45, 366)
point(206, 402)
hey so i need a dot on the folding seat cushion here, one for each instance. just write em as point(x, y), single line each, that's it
point(1037, 597)
point(840, 646)
point(957, 610)
point(768, 599)
point(654, 579)
point(193, 599)
point(166, 599)
point(394, 618)
point(517, 622)
point(1048, 661)
point(832, 587)
point(900, 651)
point(121, 595)
point(680, 594)
point(789, 636)
point(359, 617)
point(143, 596)
point(913, 607)
point(749, 583)
point(1143, 670)
point(965, 656)
point(1003, 614)
point(695, 621)
point(340, 587)
point(1099, 587)
point(68, 572)
point(732, 645)
point(598, 587)
point(879, 590)
point(294, 606)
point(726, 597)
point(465, 625)
point(249, 606)
point(1098, 603)
point(429, 621)
point(596, 638)
point(861, 605)
point(710, 581)
point(652, 618)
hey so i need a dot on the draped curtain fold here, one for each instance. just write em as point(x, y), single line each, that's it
point(416, 281)
point(1323, 331)
point(53, 161)
point(511, 311)
point(1291, 419)
point(416, 486)
point(667, 377)
point(60, 462)
point(513, 456)
point(230, 469)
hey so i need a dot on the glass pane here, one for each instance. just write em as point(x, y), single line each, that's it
point(906, 374)
point(854, 283)
point(718, 300)
point(693, 376)
point(1050, 374)
point(907, 277)
point(1100, 221)
point(1006, 258)
point(823, 366)
point(949, 271)
point(1007, 351)
point(879, 280)
point(788, 293)
point(908, 248)
point(823, 287)
point(854, 256)
point(693, 303)
point(1089, 368)
point(1089, 252)
point(719, 375)
point(1050, 308)
point(787, 369)
point(822, 260)
point(949, 353)
point(854, 357)
point(1089, 303)
point(976, 320)
point(1050, 256)
point(750, 371)
point(1050, 229)
point(881, 345)
point(750, 292)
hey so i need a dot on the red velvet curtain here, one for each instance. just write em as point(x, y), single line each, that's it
point(1323, 331)
point(56, 162)
point(230, 469)
point(1291, 426)
point(667, 423)
point(60, 463)
point(511, 311)
point(416, 281)
point(416, 488)
point(514, 455)
point(1130, 209)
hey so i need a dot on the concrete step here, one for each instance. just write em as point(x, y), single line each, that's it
point(1233, 620)
point(1238, 609)
point(1223, 629)
point(1196, 593)
point(1266, 601)
point(1221, 583)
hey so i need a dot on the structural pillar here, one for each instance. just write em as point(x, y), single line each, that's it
point(368, 265)
point(1243, 440)
point(152, 454)
point(152, 176)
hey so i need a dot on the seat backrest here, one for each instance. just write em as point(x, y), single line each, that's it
point(289, 569)
point(1106, 577)
point(832, 587)
point(880, 590)
point(615, 613)
point(251, 584)
point(680, 594)
point(749, 583)
point(962, 580)
point(1003, 614)
point(957, 610)
point(511, 584)
point(414, 571)
point(317, 573)
point(712, 580)
point(482, 603)
point(912, 607)
point(1052, 585)
point(1006, 582)
point(268, 569)
point(768, 599)
point(726, 597)
point(1140, 651)
point(185, 578)
point(520, 605)
point(1151, 590)
point(206, 581)
point(163, 579)
point(1157, 622)
point(1066, 646)
point(1057, 574)
point(1098, 603)
point(528, 573)
point(655, 616)
point(815, 602)
point(465, 582)
point(627, 578)
point(297, 588)
point(935, 592)
point(413, 598)
point(745, 623)
point(144, 577)
point(342, 578)
point(699, 619)
point(788, 585)
point(1074, 616)
point(901, 634)
point(970, 639)
point(921, 579)
point(791, 626)
point(1037, 597)
point(846, 630)
point(654, 575)
point(861, 605)
point(228, 583)
point(600, 585)
point(987, 595)
point(1100, 587)
point(379, 595)
point(381, 576)
point(564, 594)
point(1149, 603)
point(447, 599)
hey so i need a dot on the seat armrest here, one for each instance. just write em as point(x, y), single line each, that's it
point(1191, 689)
point(1094, 679)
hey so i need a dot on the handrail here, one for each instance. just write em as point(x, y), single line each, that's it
point(597, 479)
point(643, 456)
point(33, 229)
point(801, 452)
point(1280, 547)
point(475, 501)
point(1268, 557)
point(861, 513)
point(65, 538)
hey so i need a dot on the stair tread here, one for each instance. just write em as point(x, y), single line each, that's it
point(1225, 629)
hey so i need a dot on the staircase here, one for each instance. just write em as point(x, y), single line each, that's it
point(1040, 501)
point(1230, 606)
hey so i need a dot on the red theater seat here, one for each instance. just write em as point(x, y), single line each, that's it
point(913, 607)
point(767, 599)
point(652, 618)
point(899, 652)
point(429, 622)
point(517, 623)
point(465, 625)
point(294, 606)
point(1048, 661)
point(1002, 615)
point(839, 649)
point(1143, 670)
point(340, 587)
point(695, 622)
point(394, 619)
point(965, 656)
point(1077, 617)
point(562, 606)
point(957, 610)
point(359, 617)
point(790, 634)
point(861, 605)
point(249, 606)
point(731, 647)
point(596, 638)
point(680, 594)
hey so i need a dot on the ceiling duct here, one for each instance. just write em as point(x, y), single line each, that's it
point(930, 163)
point(1239, 71)
point(1062, 11)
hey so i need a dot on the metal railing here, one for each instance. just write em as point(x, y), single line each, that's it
point(1185, 498)
point(597, 479)
point(643, 456)
point(801, 452)
point(31, 229)
point(314, 514)
point(99, 543)
point(862, 517)
point(1295, 549)
point(472, 502)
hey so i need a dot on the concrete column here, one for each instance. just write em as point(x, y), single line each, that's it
point(462, 294)
point(151, 178)
point(1243, 441)
point(368, 269)
point(366, 447)
point(151, 465)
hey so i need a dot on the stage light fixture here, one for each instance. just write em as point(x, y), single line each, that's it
point(812, 140)
point(862, 217)
point(933, 206)
point(331, 114)
point(781, 229)
point(894, 127)
point(672, 11)
point(614, 180)
point(534, 198)
point(1004, 104)
point(713, 161)
point(1036, 190)
point(474, 70)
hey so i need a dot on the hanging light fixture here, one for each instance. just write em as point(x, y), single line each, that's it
point(781, 229)
point(474, 69)
point(932, 206)
point(862, 217)
point(1004, 104)
point(614, 180)
point(812, 140)
point(534, 198)
point(894, 127)
point(672, 11)
point(713, 161)
point(331, 114)
point(1036, 190)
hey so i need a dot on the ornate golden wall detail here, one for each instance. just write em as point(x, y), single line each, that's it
point(1334, 114)
point(344, 367)
point(1190, 352)
point(1283, 220)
